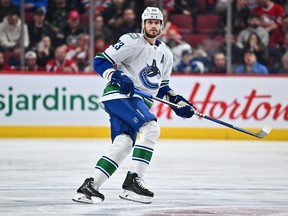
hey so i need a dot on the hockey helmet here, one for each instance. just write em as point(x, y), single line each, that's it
point(152, 13)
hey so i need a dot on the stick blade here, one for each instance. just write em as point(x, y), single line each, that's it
point(265, 131)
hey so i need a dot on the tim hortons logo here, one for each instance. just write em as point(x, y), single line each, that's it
point(254, 106)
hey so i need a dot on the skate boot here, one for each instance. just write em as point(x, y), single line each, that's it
point(134, 190)
point(88, 194)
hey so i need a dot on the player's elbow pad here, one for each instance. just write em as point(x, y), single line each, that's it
point(101, 65)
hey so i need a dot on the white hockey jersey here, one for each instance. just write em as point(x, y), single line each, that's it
point(148, 66)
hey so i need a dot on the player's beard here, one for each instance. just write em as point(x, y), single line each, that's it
point(153, 34)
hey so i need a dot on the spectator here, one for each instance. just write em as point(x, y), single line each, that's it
point(240, 16)
point(69, 33)
point(218, 44)
point(60, 63)
point(45, 51)
point(253, 26)
point(80, 53)
point(277, 53)
point(129, 23)
point(219, 64)
point(100, 44)
point(283, 67)
point(57, 15)
point(100, 30)
point(14, 58)
point(31, 62)
point(3, 65)
point(188, 65)
point(5, 7)
point(200, 54)
point(251, 66)
point(113, 15)
point(187, 7)
point(278, 35)
point(270, 14)
point(177, 46)
point(255, 44)
point(168, 26)
point(31, 5)
point(10, 30)
point(38, 29)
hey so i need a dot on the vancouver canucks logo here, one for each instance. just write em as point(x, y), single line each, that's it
point(149, 76)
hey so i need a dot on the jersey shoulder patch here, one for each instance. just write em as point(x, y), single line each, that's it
point(134, 35)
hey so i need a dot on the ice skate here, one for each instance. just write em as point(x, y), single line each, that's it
point(88, 194)
point(135, 191)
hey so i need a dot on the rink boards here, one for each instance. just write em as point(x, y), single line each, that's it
point(64, 105)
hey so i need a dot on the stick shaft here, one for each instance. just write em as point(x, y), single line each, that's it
point(199, 114)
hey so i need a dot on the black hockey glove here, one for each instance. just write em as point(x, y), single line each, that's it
point(187, 109)
point(125, 83)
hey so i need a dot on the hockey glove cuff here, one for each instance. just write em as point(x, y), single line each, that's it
point(125, 83)
point(187, 109)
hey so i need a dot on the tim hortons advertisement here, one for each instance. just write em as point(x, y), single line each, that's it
point(72, 100)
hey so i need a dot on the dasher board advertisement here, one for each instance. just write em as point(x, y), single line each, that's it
point(72, 100)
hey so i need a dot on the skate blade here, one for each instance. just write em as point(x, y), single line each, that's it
point(83, 199)
point(131, 196)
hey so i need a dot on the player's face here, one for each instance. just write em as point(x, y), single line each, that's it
point(152, 28)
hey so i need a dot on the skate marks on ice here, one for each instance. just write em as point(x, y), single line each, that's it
point(192, 177)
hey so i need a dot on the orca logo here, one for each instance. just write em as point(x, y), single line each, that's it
point(150, 75)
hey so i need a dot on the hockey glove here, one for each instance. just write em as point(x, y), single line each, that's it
point(125, 83)
point(187, 109)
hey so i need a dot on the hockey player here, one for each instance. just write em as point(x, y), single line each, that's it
point(136, 61)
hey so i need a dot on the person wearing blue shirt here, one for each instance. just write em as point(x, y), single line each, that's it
point(251, 66)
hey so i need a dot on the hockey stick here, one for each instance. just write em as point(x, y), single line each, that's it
point(261, 134)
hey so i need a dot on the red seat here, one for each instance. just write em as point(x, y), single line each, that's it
point(195, 39)
point(183, 22)
point(207, 23)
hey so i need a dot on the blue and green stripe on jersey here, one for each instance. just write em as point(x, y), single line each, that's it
point(105, 56)
point(142, 154)
point(107, 166)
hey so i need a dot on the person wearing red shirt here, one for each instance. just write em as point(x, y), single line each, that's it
point(271, 14)
point(60, 63)
point(278, 36)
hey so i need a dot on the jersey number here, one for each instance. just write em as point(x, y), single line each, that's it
point(118, 45)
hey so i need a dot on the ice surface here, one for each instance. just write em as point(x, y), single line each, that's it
point(188, 177)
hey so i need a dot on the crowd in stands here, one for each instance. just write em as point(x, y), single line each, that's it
point(56, 34)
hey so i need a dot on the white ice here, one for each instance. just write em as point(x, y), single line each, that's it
point(188, 177)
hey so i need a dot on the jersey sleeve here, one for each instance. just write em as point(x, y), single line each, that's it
point(119, 51)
